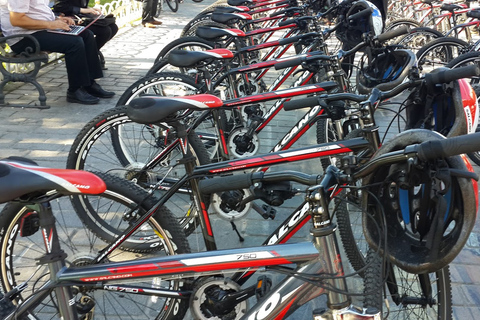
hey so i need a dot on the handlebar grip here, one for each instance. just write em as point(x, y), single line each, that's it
point(393, 33)
point(232, 182)
point(301, 103)
point(446, 76)
point(288, 63)
point(285, 41)
point(287, 22)
point(361, 14)
point(435, 149)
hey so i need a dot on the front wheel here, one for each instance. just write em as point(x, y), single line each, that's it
point(21, 244)
point(410, 296)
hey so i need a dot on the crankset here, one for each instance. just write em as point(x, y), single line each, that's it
point(241, 145)
point(228, 204)
point(218, 298)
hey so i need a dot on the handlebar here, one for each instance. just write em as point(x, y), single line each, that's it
point(393, 33)
point(434, 149)
point(361, 14)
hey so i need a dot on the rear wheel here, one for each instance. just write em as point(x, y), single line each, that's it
point(419, 37)
point(439, 52)
point(21, 244)
point(113, 143)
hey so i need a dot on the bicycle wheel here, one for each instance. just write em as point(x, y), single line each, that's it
point(349, 219)
point(21, 244)
point(326, 132)
point(419, 37)
point(410, 296)
point(172, 4)
point(113, 143)
point(439, 52)
point(402, 22)
point(159, 10)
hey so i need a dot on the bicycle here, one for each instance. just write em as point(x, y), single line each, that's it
point(91, 278)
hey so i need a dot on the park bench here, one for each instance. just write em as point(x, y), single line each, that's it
point(22, 67)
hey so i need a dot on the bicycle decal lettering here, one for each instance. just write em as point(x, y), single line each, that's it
point(292, 223)
point(301, 124)
point(8, 258)
point(48, 239)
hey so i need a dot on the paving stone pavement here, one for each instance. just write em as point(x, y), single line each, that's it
point(46, 135)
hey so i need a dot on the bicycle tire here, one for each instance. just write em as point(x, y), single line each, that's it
point(82, 246)
point(462, 61)
point(419, 37)
point(349, 219)
point(402, 22)
point(326, 133)
point(159, 10)
point(172, 4)
point(439, 52)
point(403, 289)
point(93, 150)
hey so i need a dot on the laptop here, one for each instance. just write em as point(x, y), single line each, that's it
point(76, 30)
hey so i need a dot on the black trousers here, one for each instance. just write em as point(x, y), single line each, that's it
point(149, 10)
point(81, 54)
point(103, 33)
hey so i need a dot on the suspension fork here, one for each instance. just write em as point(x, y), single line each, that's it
point(323, 232)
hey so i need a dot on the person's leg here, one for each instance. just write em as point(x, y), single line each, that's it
point(102, 34)
point(81, 60)
point(147, 11)
point(91, 55)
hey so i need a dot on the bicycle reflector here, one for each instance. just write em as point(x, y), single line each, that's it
point(421, 213)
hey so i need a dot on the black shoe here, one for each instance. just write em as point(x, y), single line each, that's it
point(97, 91)
point(81, 96)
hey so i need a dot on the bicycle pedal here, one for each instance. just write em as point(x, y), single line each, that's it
point(268, 212)
point(264, 284)
point(29, 224)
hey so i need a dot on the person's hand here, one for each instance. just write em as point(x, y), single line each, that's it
point(59, 24)
point(67, 20)
point(94, 11)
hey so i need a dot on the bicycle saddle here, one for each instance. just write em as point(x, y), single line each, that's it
point(451, 7)
point(20, 177)
point(183, 58)
point(212, 33)
point(237, 3)
point(155, 109)
point(228, 18)
point(474, 14)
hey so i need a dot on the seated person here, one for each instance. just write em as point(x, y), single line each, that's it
point(81, 54)
point(103, 33)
